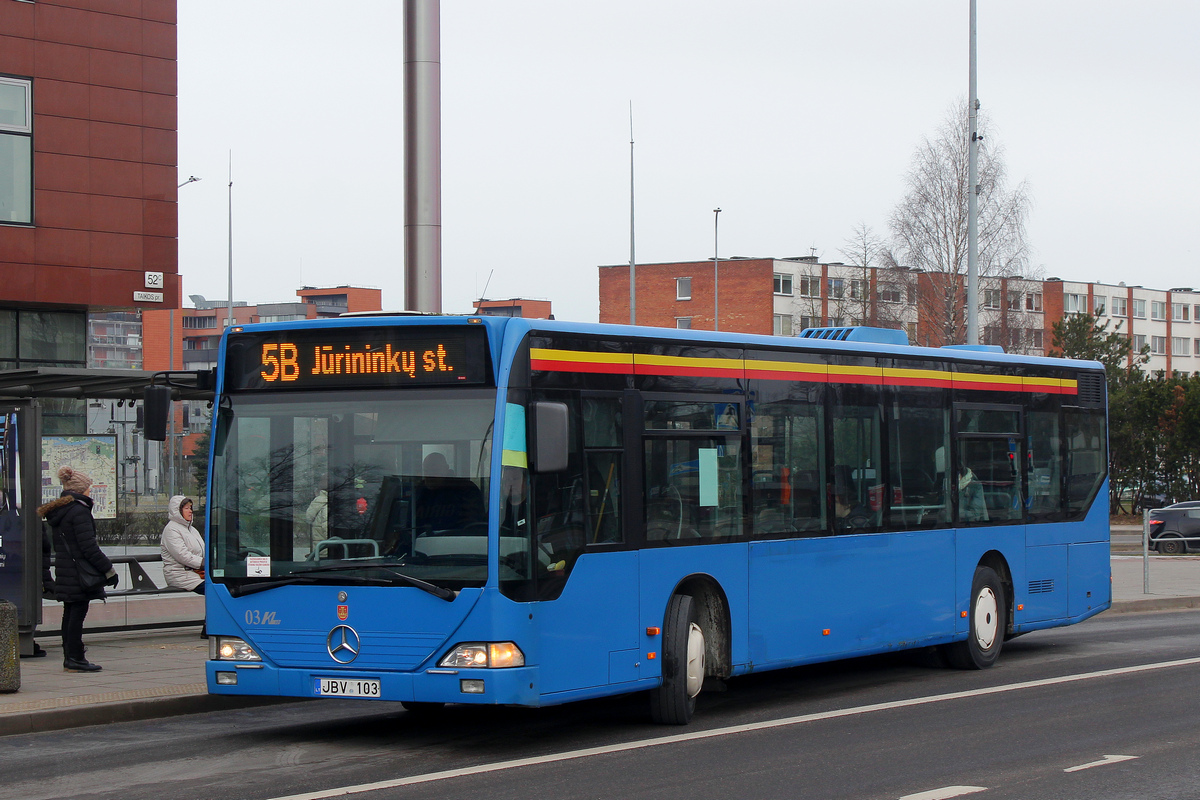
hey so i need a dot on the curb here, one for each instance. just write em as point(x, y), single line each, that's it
point(1154, 604)
point(55, 719)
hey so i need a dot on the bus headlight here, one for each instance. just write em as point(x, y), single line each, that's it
point(231, 648)
point(486, 655)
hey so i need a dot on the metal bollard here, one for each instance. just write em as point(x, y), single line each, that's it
point(10, 657)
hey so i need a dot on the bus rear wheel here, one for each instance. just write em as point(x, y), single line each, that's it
point(674, 701)
point(987, 622)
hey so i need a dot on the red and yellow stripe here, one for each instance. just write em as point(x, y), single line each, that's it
point(550, 360)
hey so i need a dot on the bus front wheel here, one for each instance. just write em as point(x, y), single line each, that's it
point(674, 701)
point(986, 619)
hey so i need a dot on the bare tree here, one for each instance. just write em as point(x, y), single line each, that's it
point(879, 290)
point(929, 226)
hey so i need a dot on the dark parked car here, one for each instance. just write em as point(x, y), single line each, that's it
point(1176, 529)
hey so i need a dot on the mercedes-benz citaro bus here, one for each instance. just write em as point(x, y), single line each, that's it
point(455, 509)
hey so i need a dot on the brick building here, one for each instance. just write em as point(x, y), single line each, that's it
point(783, 296)
point(88, 217)
point(514, 307)
point(680, 294)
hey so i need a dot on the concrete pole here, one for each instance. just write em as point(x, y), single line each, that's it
point(422, 156)
point(973, 199)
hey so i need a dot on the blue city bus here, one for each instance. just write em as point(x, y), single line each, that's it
point(453, 509)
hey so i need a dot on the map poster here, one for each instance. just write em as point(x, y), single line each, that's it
point(95, 455)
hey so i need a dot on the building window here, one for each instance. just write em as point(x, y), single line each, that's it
point(814, 322)
point(891, 293)
point(837, 288)
point(837, 322)
point(45, 338)
point(782, 325)
point(991, 298)
point(783, 284)
point(1033, 301)
point(1179, 346)
point(1098, 303)
point(1014, 301)
point(1014, 338)
point(1120, 306)
point(1139, 342)
point(810, 286)
point(198, 323)
point(1139, 309)
point(1158, 345)
point(1074, 303)
point(683, 322)
point(1035, 338)
point(1196, 347)
point(16, 151)
point(683, 288)
point(1158, 310)
point(1179, 312)
point(858, 290)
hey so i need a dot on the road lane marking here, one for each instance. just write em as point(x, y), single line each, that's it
point(729, 731)
point(1101, 763)
point(945, 793)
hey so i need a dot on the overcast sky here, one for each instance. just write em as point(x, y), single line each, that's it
point(799, 119)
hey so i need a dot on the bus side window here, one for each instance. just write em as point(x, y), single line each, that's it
point(602, 442)
point(787, 458)
point(919, 437)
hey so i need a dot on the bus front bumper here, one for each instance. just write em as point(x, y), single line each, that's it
point(514, 686)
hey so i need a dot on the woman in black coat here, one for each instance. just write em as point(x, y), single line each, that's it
point(70, 517)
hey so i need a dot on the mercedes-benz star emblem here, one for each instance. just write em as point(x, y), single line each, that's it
point(343, 644)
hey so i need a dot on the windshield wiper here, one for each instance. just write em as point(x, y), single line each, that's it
point(238, 590)
point(436, 591)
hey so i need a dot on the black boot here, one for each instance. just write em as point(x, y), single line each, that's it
point(71, 665)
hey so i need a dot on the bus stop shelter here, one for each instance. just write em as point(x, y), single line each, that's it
point(23, 396)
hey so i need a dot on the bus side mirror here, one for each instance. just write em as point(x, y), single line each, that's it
point(157, 403)
point(550, 437)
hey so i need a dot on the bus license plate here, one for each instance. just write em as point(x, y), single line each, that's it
point(354, 687)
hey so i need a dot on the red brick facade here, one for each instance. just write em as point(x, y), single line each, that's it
point(515, 307)
point(744, 295)
point(104, 152)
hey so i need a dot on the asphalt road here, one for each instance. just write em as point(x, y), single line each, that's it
point(1105, 709)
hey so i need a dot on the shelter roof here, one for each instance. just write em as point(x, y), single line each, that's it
point(103, 384)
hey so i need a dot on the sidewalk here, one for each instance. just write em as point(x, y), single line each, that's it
point(147, 674)
point(150, 674)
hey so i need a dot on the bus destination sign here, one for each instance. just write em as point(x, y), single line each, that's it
point(356, 357)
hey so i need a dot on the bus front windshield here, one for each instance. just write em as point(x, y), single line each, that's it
point(378, 488)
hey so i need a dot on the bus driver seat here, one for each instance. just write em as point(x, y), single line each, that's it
point(444, 502)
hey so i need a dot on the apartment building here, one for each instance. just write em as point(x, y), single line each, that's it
point(783, 296)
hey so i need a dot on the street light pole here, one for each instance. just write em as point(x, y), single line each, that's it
point(972, 194)
point(716, 270)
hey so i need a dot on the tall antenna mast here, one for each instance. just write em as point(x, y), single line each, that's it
point(632, 267)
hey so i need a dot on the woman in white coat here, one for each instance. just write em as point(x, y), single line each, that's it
point(182, 548)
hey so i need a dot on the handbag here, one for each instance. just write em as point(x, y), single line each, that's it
point(90, 578)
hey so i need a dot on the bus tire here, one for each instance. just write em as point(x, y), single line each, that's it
point(986, 624)
point(674, 701)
